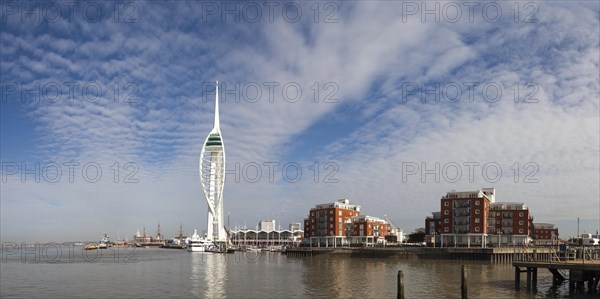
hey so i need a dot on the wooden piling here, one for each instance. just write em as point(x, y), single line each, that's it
point(517, 277)
point(400, 285)
point(463, 283)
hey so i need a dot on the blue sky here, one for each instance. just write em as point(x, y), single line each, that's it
point(372, 64)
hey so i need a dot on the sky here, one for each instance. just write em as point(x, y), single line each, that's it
point(105, 106)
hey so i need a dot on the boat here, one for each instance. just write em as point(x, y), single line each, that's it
point(120, 244)
point(178, 242)
point(195, 243)
point(90, 246)
point(78, 243)
point(105, 242)
point(175, 244)
point(276, 249)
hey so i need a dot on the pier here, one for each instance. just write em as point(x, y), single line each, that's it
point(577, 265)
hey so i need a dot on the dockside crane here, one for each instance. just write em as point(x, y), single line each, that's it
point(395, 230)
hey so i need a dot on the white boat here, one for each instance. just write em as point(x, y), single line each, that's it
point(195, 243)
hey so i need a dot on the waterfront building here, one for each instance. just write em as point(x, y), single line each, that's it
point(464, 216)
point(545, 234)
point(364, 229)
point(474, 218)
point(433, 231)
point(212, 177)
point(511, 222)
point(266, 225)
point(340, 223)
point(245, 237)
point(326, 223)
point(295, 226)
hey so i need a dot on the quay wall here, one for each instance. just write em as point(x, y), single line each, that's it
point(497, 255)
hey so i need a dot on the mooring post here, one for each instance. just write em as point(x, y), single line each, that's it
point(517, 277)
point(400, 285)
point(463, 282)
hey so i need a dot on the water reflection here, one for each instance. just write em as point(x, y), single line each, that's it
point(263, 275)
point(208, 274)
point(330, 276)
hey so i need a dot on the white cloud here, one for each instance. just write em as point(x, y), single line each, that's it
point(370, 51)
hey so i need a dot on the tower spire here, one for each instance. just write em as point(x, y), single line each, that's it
point(216, 126)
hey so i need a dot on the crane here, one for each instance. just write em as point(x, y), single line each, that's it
point(395, 230)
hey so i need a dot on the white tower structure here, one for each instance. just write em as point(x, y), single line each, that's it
point(212, 177)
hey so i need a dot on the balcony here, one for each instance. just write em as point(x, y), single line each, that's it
point(466, 213)
point(458, 204)
point(462, 222)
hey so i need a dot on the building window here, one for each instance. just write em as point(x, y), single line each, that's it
point(477, 202)
point(477, 229)
point(446, 212)
point(476, 220)
point(312, 214)
point(498, 222)
point(521, 222)
point(340, 212)
point(476, 211)
point(331, 225)
point(331, 212)
point(330, 218)
point(520, 231)
point(521, 214)
point(446, 220)
point(446, 229)
point(446, 204)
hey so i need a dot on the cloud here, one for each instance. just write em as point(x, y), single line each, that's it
point(165, 61)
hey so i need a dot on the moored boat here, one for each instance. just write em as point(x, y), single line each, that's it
point(195, 243)
point(90, 246)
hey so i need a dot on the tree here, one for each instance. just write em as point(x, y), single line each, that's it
point(417, 236)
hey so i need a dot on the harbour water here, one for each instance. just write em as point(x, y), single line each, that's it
point(160, 273)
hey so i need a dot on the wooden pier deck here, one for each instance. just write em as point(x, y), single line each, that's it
point(582, 266)
point(589, 265)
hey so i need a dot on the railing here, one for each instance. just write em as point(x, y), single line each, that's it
point(582, 254)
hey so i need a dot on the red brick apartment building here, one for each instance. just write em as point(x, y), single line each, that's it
point(340, 223)
point(463, 216)
point(545, 234)
point(326, 223)
point(367, 229)
point(433, 225)
point(511, 222)
point(473, 218)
